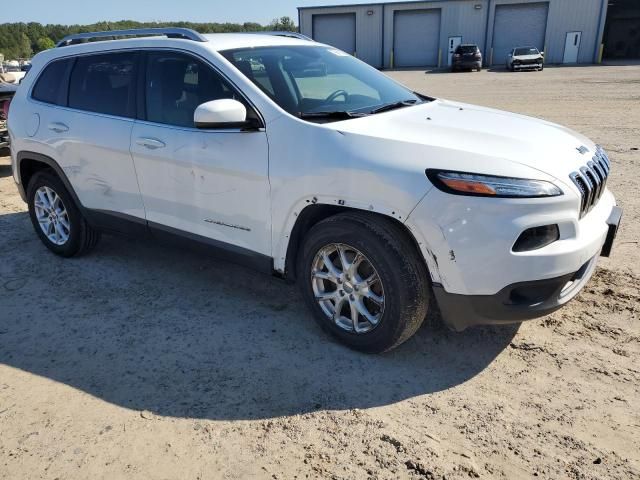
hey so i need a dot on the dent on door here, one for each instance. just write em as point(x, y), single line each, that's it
point(209, 183)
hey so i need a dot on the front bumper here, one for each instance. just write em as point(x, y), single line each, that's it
point(523, 300)
point(514, 303)
point(478, 279)
point(527, 66)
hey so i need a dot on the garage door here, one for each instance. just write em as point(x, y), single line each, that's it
point(520, 25)
point(416, 37)
point(338, 30)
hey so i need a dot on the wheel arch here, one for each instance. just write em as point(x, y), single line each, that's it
point(315, 213)
point(30, 163)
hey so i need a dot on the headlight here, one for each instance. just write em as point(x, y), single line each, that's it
point(476, 185)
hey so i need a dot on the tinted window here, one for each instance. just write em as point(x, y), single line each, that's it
point(467, 49)
point(51, 87)
point(104, 84)
point(177, 84)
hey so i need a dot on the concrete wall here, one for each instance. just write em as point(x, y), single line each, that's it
point(463, 18)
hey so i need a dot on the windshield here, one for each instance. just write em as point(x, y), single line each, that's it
point(310, 81)
point(527, 51)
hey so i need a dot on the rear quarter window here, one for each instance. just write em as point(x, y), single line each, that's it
point(51, 86)
point(104, 83)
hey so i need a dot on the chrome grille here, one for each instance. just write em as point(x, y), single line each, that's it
point(591, 180)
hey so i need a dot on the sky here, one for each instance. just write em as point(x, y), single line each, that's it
point(90, 11)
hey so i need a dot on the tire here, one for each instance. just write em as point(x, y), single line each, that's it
point(77, 237)
point(388, 253)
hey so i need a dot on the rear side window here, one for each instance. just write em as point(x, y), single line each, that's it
point(51, 86)
point(104, 83)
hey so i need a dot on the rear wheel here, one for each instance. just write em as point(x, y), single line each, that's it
point(56, 218)
point(364, 281)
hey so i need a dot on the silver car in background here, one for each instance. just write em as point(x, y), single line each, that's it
point(525, 58)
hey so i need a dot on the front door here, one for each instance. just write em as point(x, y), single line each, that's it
point(572, 47)
point(208, 183)
point(453, 44)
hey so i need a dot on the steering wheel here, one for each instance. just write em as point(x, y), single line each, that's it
point(336, 94)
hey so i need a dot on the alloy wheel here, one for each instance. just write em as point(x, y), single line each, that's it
point(347, 288)
point(52, 215)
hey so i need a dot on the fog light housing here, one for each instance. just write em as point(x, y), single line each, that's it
point(536, 238)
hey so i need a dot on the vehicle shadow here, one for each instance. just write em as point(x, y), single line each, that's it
point(150, 328)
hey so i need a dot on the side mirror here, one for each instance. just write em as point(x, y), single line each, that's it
point(224, 113)
point(542, 53)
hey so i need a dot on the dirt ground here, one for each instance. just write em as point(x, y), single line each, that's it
point(142, 362)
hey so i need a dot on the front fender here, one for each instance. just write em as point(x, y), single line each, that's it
point(283, 237)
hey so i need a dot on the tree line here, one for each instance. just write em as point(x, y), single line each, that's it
point(23, 40)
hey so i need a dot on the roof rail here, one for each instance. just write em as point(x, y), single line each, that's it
point(285, 34)
point(171, 32)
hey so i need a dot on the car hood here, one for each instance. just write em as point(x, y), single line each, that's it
point(459, 136)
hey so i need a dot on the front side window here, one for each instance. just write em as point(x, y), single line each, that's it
point(176, 84)
point(51, 86)
point(104, 83)
point(309, 81)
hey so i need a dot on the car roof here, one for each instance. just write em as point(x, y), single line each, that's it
point(216, 42)
point(230, 41)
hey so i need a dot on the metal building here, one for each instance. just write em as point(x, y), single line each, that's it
point(425, 34)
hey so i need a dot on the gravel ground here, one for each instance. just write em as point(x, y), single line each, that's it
point(142, 362)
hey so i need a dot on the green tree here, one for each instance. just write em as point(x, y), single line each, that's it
point(44, 43)
point(283, 24)
point(19, 40)
point(24, 47)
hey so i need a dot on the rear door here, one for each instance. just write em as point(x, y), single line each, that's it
point(90, 130)
point(212, 184)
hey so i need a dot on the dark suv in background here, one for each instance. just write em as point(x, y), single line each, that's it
point(467, 56)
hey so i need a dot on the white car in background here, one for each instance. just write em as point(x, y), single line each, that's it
point(304, 162)
point(525, 58)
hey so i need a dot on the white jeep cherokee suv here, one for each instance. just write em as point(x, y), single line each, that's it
point(305, 162)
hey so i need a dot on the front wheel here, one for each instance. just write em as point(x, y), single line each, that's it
point(364, 281)
point(56, 218)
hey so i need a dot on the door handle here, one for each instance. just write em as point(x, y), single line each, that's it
point(58, 127)
point(150, 143)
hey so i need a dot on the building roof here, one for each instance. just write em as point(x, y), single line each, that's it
point(371, 4)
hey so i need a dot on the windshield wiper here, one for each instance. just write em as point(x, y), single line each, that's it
point(394, 106)
point(337, 115)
